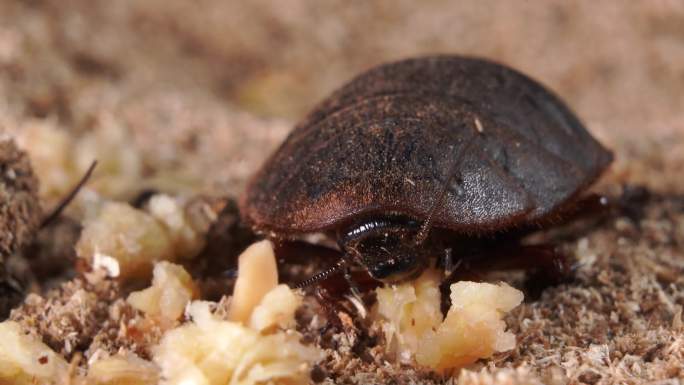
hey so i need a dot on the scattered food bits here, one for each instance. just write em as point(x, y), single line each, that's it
point(276, 309)
point(126, 242)
point(60, 159)
point(257, 275)
point(126, 369)
point(50, 150)
point(159, 94)
point(249, 348)
point(120, 163)
point(187, 240)
point(134, 238)
point(472, 329)
point(213, 351)
point(172, 289)
point(24, 359)
point(410, 310)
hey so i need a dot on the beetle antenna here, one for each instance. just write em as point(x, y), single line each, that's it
point(340, 264)
point(70, 197)
point(427, 225)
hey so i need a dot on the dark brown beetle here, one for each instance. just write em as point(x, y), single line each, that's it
point(422, 158)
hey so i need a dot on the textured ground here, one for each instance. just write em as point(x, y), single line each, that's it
point(199, 94)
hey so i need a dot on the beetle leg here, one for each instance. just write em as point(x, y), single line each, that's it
point(547, 267)
point(543, 259)
point(331, 288)
point(353, 287)
point(333, 295)
point(448, 261)
point(591, 205)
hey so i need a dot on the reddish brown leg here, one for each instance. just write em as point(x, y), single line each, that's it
point(544, 258)
point(633, 202)
point(591, 205)
point(544, 264)
point(332, 293)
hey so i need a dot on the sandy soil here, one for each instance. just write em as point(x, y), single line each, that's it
point(199, 94)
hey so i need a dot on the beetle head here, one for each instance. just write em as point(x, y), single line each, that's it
point(390, 256)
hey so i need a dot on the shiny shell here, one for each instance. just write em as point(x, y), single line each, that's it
point(507, 151)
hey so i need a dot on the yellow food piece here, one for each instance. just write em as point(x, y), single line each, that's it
point(24, 359)
point(127, 242)
point(187, 241)
point(257, 275)
point(172, 289)
point(211, 351)
point(119, 162)
point(473, 328)
point(60, 160)
point(133, 238)
point(411, 309)
point(276, 309)
point(50, 149)
point(247, 349)
point(122, 370)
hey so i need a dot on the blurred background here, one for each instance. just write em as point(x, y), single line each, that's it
point(187, 95)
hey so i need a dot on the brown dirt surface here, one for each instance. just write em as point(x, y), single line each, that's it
point(198, 95)
point(20, 214)
point(20, 211)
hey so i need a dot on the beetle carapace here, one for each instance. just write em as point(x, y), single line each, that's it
point(475, 146)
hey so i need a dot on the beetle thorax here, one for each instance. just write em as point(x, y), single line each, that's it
point(385, 245)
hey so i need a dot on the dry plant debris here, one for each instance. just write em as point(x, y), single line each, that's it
point(20, 211)
point(20, 215)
